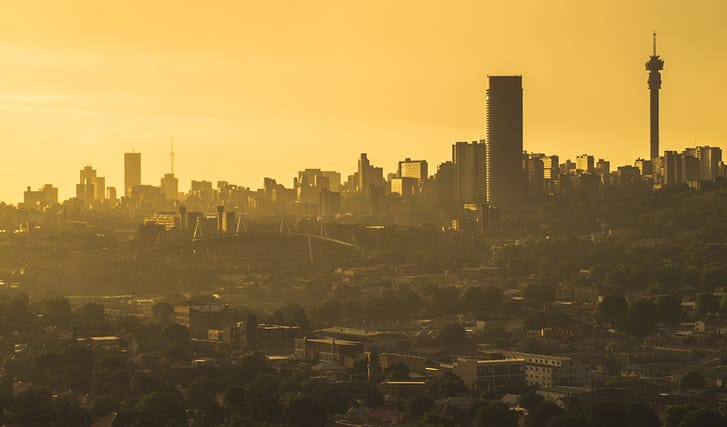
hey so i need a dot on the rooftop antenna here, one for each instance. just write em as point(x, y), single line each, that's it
point(654, 43)
point(171, 155)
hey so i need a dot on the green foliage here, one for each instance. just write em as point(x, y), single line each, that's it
point(640, 318)
point(162, 313)
point(418, 405)
point(162, 409)
point(58, 312)
point(613, 309)
point(705, 304)
point(495, 414)
point(175, 335)
point(103, 405)
point(675, 414)
point(691, 380)
point(668, 309)
point(304, 411)
point(447, 385)
point(703, 418)
point(452, 335)
point(541, 413)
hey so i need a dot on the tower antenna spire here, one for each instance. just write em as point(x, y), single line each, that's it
point(654, 43)
point(171, 155)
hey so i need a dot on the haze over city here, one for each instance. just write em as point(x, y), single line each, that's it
point(253, 90)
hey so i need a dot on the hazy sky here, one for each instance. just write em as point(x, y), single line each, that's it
point(266, 88)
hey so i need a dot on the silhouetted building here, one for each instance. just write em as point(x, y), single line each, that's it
point(709, 162)
point(646, 167)
point(444, 182)
point(534, 167)
point(406, 187)
point(469, 171)
point(368, 175)
point(91, 187)
point(170, 186)
point(132, 172)
point(505, 178)
point(584, 164)
point(654, 66)
point(417, 169)
point(43, 197)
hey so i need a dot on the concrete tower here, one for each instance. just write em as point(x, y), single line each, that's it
point(654, 66)
point(506, 183)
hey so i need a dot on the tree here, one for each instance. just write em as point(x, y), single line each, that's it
point(452, 335)
point(608, 414)
point(162, 409)
point(668, 276)
point(640, 318)
point(304, 411)
point(668, 309)
point(704, 417)
point(675, 414)
point(713, 275)
point(418, 405)
point(612, 309)
point(495, 414)
point(568, 421)
point(58, 312)
point(67, 411)
point(397, 372)
point(640, 415)
point(162, 313)
point(103, 405)
point(540, 414)
point(91, 311)
point(618, 278)
point(691, 380)
point(33, 407)
point(704, 304)
point(448, 385)
point(202, 394)
point(18, 313)
point(176, 335)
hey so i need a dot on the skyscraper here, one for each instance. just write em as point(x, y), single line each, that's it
point(506, 183)
point(469, 172)
point(132, 172)
point(417, 169)
point(654, 66)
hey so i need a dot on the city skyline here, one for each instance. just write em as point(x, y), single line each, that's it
point(111, 95)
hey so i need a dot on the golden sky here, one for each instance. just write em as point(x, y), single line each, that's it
point(265, 88)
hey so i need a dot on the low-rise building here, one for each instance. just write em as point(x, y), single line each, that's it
point(548, 370)
point(492, 374)
point(342, 351)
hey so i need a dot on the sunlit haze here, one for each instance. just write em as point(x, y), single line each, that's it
point(255, 89)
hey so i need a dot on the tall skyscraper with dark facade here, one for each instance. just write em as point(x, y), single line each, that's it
point(469, 171)
point(132, 172)
point(654, 66)
point(506, 183)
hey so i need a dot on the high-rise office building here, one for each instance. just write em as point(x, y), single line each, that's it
point(85, 188)
point(654, 67)
point(506, 183)
point(550, 167)
point(368, 175)
point(170, 186)
point(99, 188)
point(709, 159)
point(584, 163)
point(132, 172)
point(469, 171)
point(417, 169)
